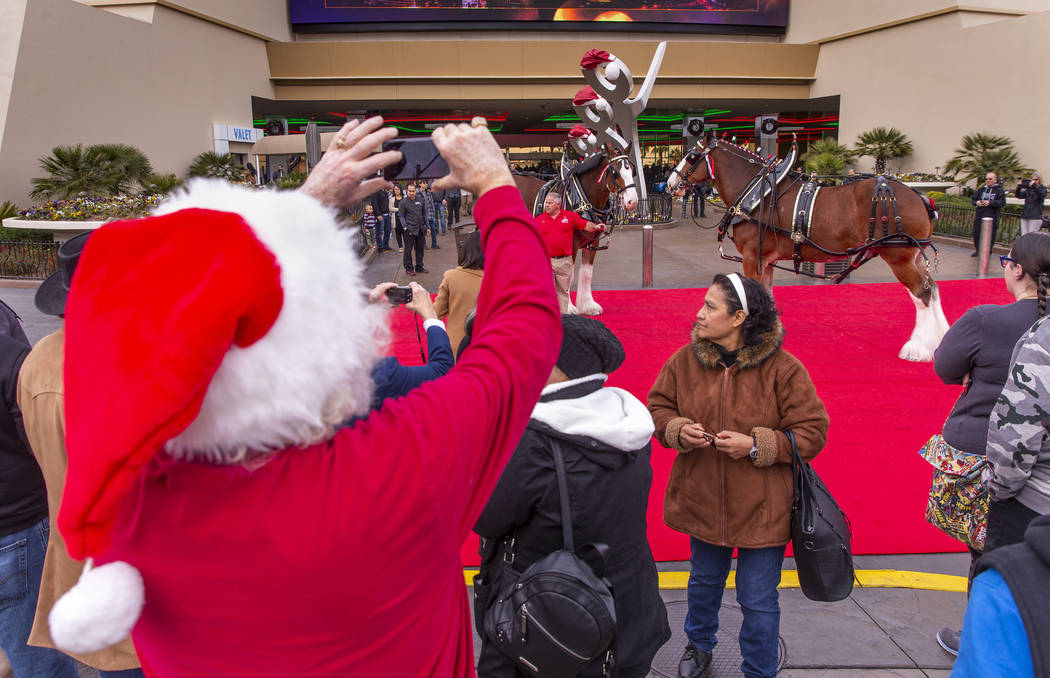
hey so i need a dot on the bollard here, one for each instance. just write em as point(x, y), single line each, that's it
point(647, 256)
point(984, 247)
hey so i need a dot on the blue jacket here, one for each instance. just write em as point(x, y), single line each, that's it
point(994, 640)
point(393, 379)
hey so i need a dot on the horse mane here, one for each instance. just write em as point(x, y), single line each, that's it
point(741, 148)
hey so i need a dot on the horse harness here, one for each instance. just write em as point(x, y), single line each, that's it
point(574, 197)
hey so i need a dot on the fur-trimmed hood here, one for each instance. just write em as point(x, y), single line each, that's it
point(749, 356)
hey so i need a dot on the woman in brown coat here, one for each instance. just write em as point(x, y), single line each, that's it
point(460, 286)
point(723, 402)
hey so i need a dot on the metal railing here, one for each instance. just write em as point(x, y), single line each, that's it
point(958, 221)
point(657, 210)
point(28, 260)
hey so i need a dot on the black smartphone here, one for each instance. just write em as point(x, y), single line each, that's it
point(419, 160)
point(401, 294)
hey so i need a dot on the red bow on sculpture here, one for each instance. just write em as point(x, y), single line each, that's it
point(584, 96)
point(578, 131)
point(594, 58)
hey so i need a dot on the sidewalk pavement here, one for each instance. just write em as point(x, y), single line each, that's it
point(878, 632)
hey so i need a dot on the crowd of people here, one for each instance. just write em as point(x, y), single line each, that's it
point(219, 418)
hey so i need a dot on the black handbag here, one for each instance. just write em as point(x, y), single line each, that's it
point(558, 615)
point(820, 535)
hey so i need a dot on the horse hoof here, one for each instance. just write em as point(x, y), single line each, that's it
point(591, 309)
point(572, 310)
point(916, 352)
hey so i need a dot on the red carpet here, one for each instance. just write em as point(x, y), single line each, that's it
point(882, 408)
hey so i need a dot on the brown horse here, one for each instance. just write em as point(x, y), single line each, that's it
point(839, 227)
point(599, 180)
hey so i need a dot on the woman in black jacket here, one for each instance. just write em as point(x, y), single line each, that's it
point(604, 435)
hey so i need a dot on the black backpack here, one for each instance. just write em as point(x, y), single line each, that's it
point(558, 615)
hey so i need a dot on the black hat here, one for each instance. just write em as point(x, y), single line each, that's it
point(588, 347)
point(52, 293)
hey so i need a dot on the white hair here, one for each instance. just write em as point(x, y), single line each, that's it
point(312, 369)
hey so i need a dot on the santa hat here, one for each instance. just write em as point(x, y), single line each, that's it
point(594, 58)
point(231, 321)
point(579, 132)
point(585, 96)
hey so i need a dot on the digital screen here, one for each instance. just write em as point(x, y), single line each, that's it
point(714, 14)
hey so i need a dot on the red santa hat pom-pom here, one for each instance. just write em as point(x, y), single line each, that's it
point(100, 610)
point(594, 58)
point(578, 132)
point(585, 96)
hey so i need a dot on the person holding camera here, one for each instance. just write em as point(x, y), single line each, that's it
point(1034, 193)
point(989, 200)
point(207, 457)
point(411, 212)
point(391, 377)
point(723, 402)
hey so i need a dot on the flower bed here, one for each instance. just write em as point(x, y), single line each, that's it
point(94, 209)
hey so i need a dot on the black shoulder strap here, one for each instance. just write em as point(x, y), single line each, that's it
point(563, 496)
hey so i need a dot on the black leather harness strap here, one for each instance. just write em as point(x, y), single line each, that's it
point(882, 200)
point(805, 201)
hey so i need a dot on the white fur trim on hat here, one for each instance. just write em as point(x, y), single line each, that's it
point(312, 370)
point(100, 610)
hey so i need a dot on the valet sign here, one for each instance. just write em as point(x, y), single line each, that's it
point(224, 134)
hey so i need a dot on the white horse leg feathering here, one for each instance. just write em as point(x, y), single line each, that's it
point(930, 327)
point(585, 302)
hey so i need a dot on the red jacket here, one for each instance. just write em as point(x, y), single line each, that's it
point(558, 231)
point(342, 559)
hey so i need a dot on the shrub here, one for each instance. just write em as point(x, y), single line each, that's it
point(97, 170)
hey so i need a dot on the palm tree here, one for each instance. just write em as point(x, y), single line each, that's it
point(983, 153)
point(162, 183)
point(125, 165)
point(97, 170)
point(882, 144)
point(826, 156)
point(219, 165)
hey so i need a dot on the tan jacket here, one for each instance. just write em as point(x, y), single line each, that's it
point(456, 297)
point(40, 399)
point(717, 499)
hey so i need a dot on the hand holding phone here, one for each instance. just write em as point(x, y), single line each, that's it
point(419, 160)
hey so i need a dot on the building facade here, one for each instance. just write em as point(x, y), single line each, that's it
point(174, 76)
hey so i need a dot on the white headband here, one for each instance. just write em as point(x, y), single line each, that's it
point(738, 285)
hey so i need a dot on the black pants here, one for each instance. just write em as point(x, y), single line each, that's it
point(399, 233)
point(453, 211)
point(977, 231)
point(1007, 521)
point(414, 241)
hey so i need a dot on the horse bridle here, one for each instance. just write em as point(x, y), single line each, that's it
point(701, 154)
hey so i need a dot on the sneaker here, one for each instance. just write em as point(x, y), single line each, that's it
point(421, 271)
point(411, 273)
point(948, 639)
point(436, 246)
point(974, 254)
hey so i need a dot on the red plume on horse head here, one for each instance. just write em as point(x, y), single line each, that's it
point(585, 96)
point(594, 58)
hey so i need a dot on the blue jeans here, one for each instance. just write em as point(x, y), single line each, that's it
point(383, 237)
point(441, 217)
point(127, 673)
point(757, 578)
point(21, 564)
point(433, 232)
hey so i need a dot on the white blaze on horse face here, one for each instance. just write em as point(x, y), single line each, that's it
point(629, 196)
point(676, 176)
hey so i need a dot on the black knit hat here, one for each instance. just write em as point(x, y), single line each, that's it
point(588, 347)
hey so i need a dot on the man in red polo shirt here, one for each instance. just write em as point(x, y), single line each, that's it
point(558, 226)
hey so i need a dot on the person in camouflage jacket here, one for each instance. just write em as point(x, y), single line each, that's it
point(1018, 472)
